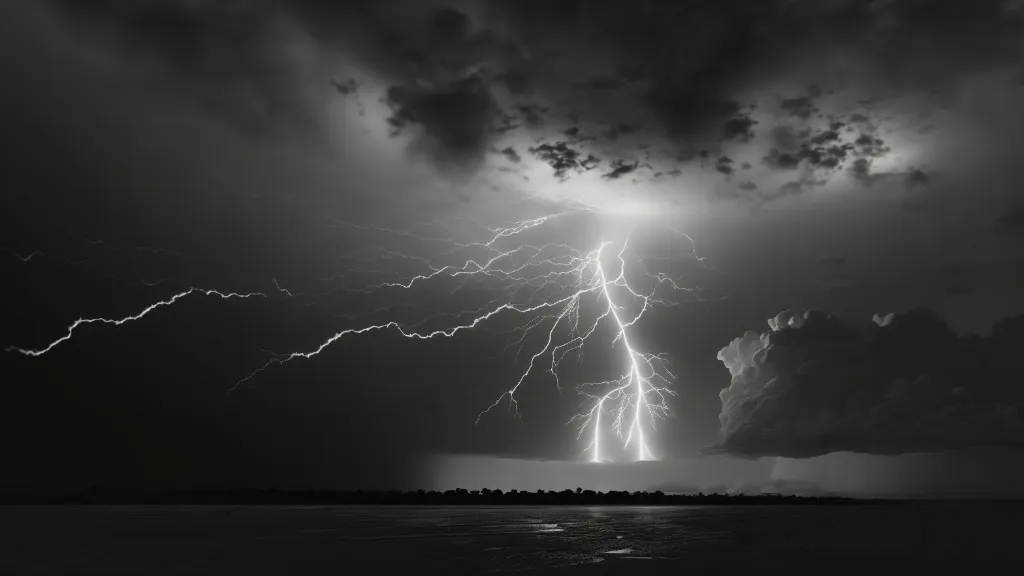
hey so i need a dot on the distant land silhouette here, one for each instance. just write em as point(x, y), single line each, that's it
point(456, 497)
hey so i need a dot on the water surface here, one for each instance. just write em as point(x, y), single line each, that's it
point(464, 540)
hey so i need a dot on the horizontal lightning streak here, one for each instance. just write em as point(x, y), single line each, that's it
point(118, 322)
point(31, 255)
point(403, 331)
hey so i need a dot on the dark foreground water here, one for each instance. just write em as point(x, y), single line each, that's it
point(946, 538)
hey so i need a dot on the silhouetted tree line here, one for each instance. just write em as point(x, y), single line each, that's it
point(459, 496)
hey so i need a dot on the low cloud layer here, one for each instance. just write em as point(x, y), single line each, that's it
point(814, 384)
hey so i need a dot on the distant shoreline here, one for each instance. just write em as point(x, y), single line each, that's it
point(458, 497)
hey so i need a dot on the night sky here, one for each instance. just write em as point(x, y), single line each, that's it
point(833, 161)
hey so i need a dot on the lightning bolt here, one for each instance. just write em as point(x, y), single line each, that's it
point(32, 255)
point(117, 322)
point(572, 298)
point(549, 287)
point(285, 291)
point(103, 244)
point(644, 372)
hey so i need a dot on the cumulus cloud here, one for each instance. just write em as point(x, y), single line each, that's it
point(813, 384)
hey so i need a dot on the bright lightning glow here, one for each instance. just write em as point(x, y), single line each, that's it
point(550, 287)
point(650, 384)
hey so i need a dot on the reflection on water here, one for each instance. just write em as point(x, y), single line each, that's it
point(297, 540)
point(544, 528)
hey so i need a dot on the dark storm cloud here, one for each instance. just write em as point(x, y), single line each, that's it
point(724, 165)
point(801, 107)
point(620, 168)
point(740, 128)
point(565, 159)
point(510, 153)
point(346, 87)
point(815, 385)
point(532, 114)
point(454, 118)
point(228, 56)
point(237, 58)
point(503, 122)
point(576, 136)
point(676, 69)
point(861, 170)
point(867, 145)
point(782, 160)
point(786, 138)
point(829, 136)
point(620, 129)
point(916, 178)
point(821, 152)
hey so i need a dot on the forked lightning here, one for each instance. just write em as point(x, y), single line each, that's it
point(551, 287)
